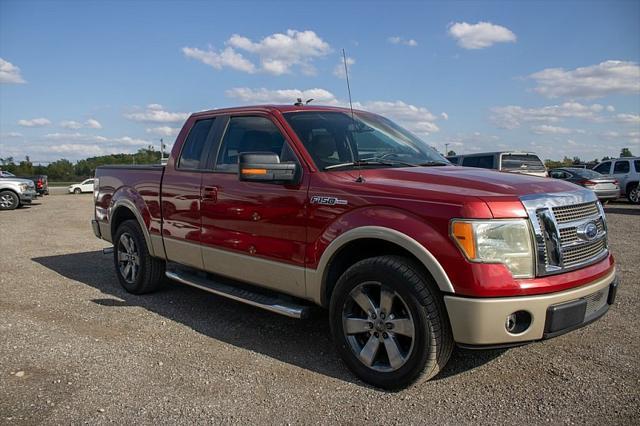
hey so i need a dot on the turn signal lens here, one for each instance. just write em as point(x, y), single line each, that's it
point(463, 233)
point(254, 171)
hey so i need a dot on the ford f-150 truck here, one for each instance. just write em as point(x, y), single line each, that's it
point(286, 207)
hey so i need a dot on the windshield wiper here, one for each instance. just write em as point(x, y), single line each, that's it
point(361, 163)
point(433, 163)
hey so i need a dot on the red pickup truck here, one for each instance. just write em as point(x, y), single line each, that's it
point(286, 207)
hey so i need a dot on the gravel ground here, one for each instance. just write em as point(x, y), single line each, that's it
point(74, 347)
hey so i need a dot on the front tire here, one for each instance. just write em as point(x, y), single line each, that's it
point(633, 194)
point(389, 323)
point(137, 271)
point(77, 191)
point(9, 200)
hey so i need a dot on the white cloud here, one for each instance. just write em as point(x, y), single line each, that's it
point(154, 113)
point(338, 70)
point(610, 108)
point(283, 96)
point(545, 129)
point(277, 53)
point(480, 35)
point(74, 137)
point(226, 58)
point(92, 123)
point(11, 135)
point(9, 73)
point(74, 125)
point(444, 115)
point(417, 119)
point(164, 131)
point(605, 78)
point(34, 122)
point(512, 116)
point(399, 40)
point(628, 118)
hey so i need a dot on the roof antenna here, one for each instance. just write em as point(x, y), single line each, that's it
point(299, 102)
point(360, 179)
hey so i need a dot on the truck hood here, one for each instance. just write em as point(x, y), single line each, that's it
point(467, 181)
point(16, 180)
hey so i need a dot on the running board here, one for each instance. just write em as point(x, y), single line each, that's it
point(266, 302)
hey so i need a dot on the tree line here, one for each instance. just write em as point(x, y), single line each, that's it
point(65, 170)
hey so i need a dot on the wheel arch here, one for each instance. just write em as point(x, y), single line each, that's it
point(125, 209)
point(368, 241)
point(629, 186)
point(14, 192)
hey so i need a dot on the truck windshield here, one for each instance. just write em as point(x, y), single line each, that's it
point(335, 140)
point(521, 162)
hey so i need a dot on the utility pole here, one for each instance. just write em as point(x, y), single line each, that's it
point(446, 149)
point(161, 150)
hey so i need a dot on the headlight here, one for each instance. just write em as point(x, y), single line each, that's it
point(496, 241)
point(23, 187)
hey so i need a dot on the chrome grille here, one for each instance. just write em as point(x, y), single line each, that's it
point(596, 301)
point(582, 253)
point(560, 223)
point(570, 234)
point(564, 214)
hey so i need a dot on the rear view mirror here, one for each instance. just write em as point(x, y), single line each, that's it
point(266, 167)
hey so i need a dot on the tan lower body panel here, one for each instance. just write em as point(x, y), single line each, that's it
point(157, 246)
point(183, 252)
point(482, 321)
point(277, 276)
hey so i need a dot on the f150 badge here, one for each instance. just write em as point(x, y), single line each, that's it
point(328, 201)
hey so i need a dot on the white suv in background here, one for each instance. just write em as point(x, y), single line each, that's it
point(78, 188)
point(627, 171)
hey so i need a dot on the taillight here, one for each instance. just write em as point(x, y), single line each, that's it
point(587, 183)
point(615, 182)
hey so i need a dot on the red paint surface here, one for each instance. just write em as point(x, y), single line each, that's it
point(277, 222)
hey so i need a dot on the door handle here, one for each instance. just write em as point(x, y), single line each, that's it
point(210, 193)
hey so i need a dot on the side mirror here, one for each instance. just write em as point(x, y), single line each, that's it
point(266, 167)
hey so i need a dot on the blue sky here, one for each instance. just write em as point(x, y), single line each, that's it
point(87, 78)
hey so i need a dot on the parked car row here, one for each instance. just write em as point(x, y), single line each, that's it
point(610, 179)
point(16, 191)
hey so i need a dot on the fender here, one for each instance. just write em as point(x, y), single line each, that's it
point(122, 198)
point(398, 235)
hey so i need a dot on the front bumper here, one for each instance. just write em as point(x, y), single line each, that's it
point(482, 321)
point(27, 196)
point(96, 228)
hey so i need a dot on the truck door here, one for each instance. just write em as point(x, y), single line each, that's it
point(181, 186)
point(254, 232)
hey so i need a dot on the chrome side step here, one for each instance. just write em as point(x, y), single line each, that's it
point(269, 303)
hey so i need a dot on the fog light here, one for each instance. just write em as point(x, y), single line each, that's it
point(518, 322)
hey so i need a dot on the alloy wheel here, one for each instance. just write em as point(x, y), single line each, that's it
point(6, 201)
point(128, 258)
point(634, 195)
point(378, 326)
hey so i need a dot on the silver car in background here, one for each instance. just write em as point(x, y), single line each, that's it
point(15, 192)
point(605, 187)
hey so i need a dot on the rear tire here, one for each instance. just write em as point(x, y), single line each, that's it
point(137, 271)
point(633, 193)
point(403, 336)
point(9, 200)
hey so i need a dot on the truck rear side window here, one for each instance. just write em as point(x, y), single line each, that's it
point(193, 146)
point(250, 134)
point(481, 161)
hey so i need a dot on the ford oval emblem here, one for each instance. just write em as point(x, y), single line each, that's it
point(587, 231)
